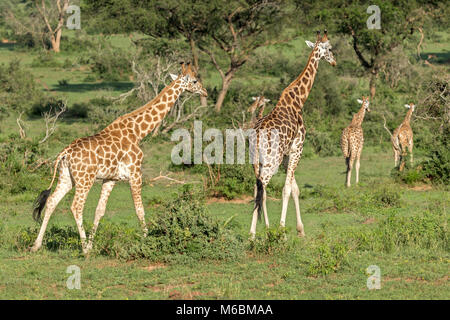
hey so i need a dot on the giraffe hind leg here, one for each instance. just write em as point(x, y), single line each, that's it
point(62, 188)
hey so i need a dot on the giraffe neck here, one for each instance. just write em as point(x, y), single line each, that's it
point(140, 122)
point(408, 116)
point(359, 116)
point(299, 89)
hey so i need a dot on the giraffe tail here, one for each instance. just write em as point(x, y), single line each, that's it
point(259, 196)
point(41, 200)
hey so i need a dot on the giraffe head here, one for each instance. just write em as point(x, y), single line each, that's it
point(365, 102)
point(259, 102)
point(189, 81)
point(323, 47)
point(410, 106)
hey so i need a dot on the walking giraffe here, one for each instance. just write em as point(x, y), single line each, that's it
point(352, 140)
point(111, 155)
point(281, 133)
point(402, 139)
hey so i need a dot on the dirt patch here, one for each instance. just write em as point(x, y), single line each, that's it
point(244, 200)
point(422, 187)
point(155, 266)
point(369, 221)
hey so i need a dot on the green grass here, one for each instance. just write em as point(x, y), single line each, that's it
point(329, 263)
point(407, 273)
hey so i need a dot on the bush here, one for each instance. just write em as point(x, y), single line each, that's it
point(272, 240)
point(18, 90)
point(110, 64)
point(181, 230)
point(45, 59)
point(437, 167)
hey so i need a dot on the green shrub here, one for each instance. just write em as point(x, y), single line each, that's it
point(328, 257)
point(270, 241)
point(18, 90)
point(437, 167)
point(45, 59)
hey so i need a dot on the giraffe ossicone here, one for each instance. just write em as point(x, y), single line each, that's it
point(111, 155)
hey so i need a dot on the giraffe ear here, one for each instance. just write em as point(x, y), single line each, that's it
point(309, 44)
point(407, 106)
point(266, 100)
point(254, 98)
point(359, 101)
point(173, 76)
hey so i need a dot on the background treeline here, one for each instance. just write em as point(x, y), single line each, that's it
point(125, 50)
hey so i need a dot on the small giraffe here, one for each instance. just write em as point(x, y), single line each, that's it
point(111, 155)
point(260, 103)
point(402, 139)
point(282, 133)
point(352, 140)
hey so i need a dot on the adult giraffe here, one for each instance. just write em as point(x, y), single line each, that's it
point(111, 155)
point(282, 133)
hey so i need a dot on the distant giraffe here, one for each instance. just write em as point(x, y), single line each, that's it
point(282, 132)
point(111, 155)
point(258, 104)
point(402, 139)
point(352, 140)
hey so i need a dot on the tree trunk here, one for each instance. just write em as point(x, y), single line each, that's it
point(56, 41)
point(203, 100)
point(226, 81)
point(373, 82)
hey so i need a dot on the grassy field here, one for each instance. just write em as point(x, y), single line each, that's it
point(407, 272)
point(400, 228)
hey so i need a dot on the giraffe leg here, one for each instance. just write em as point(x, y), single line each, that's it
point(256, 209)
point(287, 189)
point(396, 156)
point(350, 160)
point(291, 188)
point(136, 185)
point(266, 217)
point(402, 158)
point(100, 211)
point(295, 195)
point(64, 186)
point(410, 148)
point(357, 165)
point(79, 200)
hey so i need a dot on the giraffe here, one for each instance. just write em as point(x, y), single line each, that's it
point(282, 133)
point(260, 103)
point(402, 139)
point(352, 140)
point(111, 155)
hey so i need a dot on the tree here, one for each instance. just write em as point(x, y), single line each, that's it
point(227, 32)
point(243, 26)
point(371, 46)
point(53, 19)
point(43, 20)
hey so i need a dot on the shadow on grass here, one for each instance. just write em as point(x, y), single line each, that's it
point(436, 57)
point(85, 87)
point(8, 46)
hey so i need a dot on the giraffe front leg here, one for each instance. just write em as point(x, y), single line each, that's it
point(136, 186)
point(64, 186)
point(100, 211)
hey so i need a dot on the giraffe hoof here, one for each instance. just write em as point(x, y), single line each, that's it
point(300, 233)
